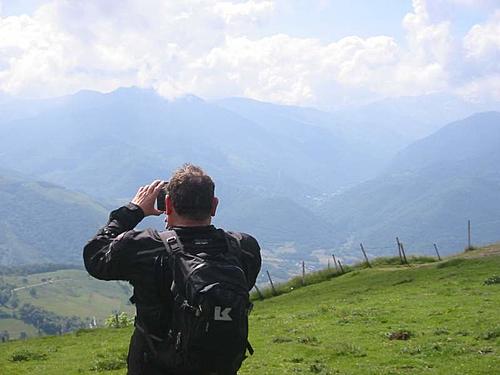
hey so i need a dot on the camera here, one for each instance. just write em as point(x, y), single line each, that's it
point(160, 199)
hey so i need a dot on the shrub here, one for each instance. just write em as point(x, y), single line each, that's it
point(491, 334)
point(492, 280)
point(399, 335)
point(281, 339)
point(109, 361)
point(308, 340)
point(119, 321)
point(25, 355)
point(347, 349)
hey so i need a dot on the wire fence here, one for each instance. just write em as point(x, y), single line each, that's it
point(297, 263)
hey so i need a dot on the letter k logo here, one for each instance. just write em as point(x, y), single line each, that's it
point(222, 314)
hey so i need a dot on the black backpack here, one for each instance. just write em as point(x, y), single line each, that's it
point(208, 330)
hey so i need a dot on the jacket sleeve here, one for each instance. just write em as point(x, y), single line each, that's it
point(251, 258)
point(105, 255)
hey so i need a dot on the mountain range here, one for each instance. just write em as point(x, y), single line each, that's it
point(303, 181)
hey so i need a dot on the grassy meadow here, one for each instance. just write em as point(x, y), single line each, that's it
point(66, 293)
point(430, 318)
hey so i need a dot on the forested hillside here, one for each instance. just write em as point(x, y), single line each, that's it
point(42, 222)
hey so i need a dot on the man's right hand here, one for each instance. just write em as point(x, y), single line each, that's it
point(145, 198)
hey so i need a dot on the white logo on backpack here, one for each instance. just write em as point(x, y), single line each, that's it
point(222, 314)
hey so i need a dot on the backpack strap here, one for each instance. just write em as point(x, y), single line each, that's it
point(233, 243)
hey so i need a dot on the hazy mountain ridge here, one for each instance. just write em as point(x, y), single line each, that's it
point(429, 192)
point(107, 145)
point(279, 169)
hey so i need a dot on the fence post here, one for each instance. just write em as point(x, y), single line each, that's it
point(399, 250)
point(335, 263)
point(261, 297)
point(272, 285)
point(328, 264)
point(404, 253)
point(364, 253)
point(469, 243)
point(437, 251)
point(303, 273)
point(340, 265)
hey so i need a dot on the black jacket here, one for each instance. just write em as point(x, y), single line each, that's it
point(117, 252)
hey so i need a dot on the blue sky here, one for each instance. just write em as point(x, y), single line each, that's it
point(332, 20)
point(335, 19)
point(318, 52)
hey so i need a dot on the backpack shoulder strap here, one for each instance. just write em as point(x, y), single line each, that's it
point(171, 241)
point(233, 241)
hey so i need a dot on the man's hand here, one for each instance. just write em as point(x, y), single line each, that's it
point(145, 198)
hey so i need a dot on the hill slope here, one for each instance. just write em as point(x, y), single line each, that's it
point(42, 222)
point(444, 311)
point(427, 195)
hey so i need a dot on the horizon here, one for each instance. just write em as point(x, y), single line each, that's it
point(481, 107)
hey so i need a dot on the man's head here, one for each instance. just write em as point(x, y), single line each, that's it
point(190, 196)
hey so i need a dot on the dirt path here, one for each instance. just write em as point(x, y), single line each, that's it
point(39, 284)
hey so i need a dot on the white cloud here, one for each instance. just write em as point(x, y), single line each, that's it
point(482, 56)
point(208, 48)
point(483, 41)
point(231, 11)
point(482, 89)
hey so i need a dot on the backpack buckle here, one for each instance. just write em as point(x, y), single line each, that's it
point(173, 243)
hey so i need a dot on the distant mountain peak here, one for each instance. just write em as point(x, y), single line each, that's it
point(134, 91)
point(189, 98)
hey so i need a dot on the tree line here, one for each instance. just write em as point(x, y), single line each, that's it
point(46, 321)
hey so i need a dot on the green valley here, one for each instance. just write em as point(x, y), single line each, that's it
point(68, 294)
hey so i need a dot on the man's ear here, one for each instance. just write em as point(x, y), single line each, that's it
point(168, 205)
point(215, 202)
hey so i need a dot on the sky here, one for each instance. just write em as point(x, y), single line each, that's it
point(320, 53)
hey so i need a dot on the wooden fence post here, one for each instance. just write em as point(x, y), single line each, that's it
point(335, 263)
point(469, 242)
point(437, 251)
point(261, 297)
point(303, 273)
point(340, 265)
point(272, 285)
point(399, 250)
point(364, 253)
point(404, 253)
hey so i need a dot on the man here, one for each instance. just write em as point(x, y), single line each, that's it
point(118, 252)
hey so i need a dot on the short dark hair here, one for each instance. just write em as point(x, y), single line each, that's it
point(191, 191)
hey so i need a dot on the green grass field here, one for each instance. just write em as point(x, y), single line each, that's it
point(66, 293)
point(436, 318)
